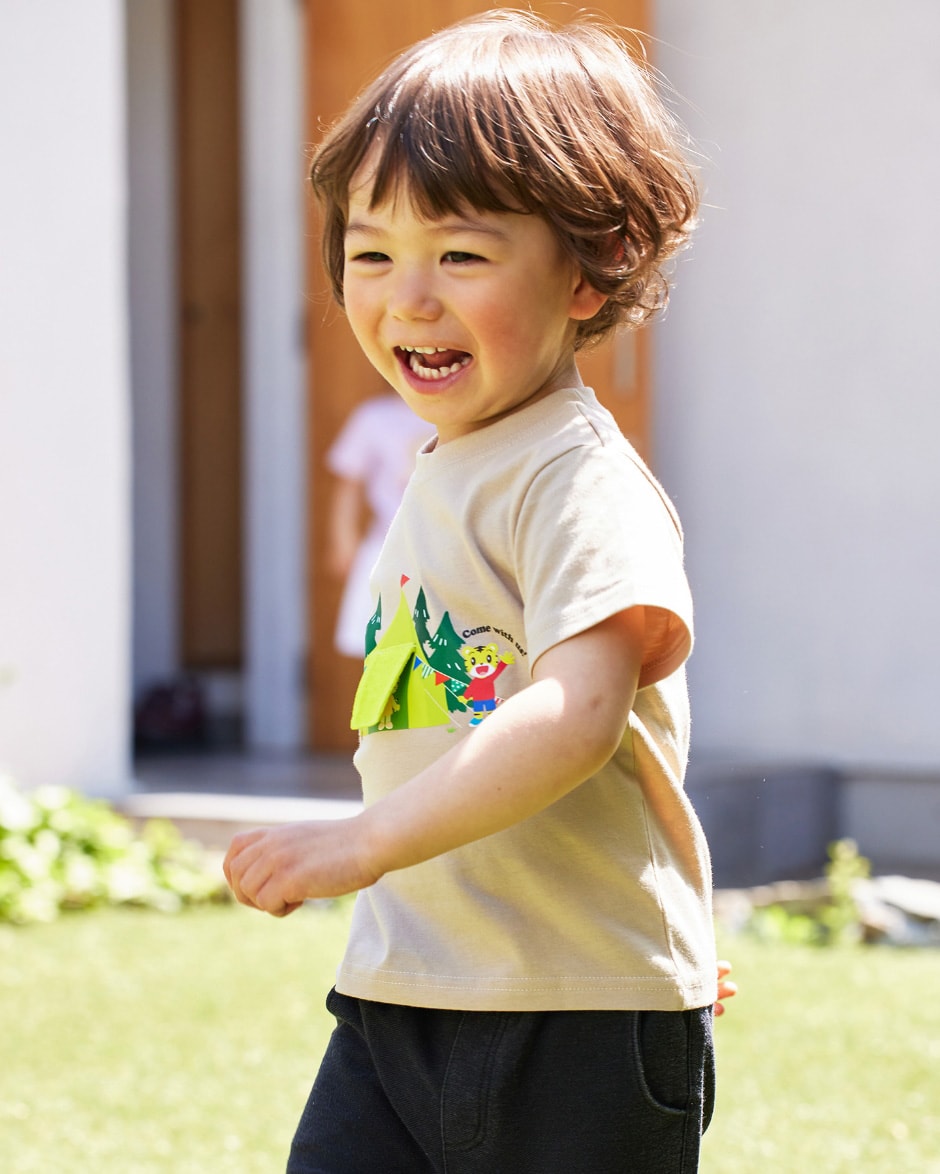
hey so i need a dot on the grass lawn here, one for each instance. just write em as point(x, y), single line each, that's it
point(828, 1063)
point(137, 1043)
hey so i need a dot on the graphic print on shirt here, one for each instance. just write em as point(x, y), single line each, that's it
point(414, 678)
point(483, 663)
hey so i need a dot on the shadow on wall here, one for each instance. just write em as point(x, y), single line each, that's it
point(765, 825)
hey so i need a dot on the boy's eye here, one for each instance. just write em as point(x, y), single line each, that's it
point(374, 258)
point(457, 257)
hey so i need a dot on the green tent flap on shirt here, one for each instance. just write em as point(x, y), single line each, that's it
point(380, 677)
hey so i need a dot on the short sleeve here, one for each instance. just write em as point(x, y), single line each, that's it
point(596, 535)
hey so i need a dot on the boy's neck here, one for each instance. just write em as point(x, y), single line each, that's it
point(567, 377)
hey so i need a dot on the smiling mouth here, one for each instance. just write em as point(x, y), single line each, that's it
point(432, 362)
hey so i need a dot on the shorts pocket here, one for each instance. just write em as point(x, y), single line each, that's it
point(663, 1044)
point(472, 1072)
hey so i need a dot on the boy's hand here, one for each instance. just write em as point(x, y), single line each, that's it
point(726, 990)
point(277, 869)
point(520, 760)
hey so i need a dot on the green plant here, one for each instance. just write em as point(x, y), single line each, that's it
point(840, 916)
point(60, 850)
point(774, 923)
point(833, 921)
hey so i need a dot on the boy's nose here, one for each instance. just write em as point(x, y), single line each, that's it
point(414, 300)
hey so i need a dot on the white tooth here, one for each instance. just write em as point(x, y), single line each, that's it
point(432, 372)
point(419, 370)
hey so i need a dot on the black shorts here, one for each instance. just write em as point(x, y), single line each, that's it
point(411, 1090)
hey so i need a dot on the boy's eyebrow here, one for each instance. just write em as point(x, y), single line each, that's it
point(441, 228)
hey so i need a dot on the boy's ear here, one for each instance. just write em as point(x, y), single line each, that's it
point(585, 300)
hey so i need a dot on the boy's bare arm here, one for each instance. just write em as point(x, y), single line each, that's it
point(536, 747)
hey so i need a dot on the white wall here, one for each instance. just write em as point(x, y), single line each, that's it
point(797, 408)
point(275, 419)
point(64, 535)
point(152, 289)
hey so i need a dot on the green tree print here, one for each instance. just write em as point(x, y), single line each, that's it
point(444, 657)
point(374, 627)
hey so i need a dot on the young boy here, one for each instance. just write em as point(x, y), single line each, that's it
point(528, 983)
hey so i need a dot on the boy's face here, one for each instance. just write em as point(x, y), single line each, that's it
point(469, 317)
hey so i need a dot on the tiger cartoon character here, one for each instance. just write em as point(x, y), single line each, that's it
point(484, 663)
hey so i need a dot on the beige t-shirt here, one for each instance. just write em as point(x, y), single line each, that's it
point(508, 541)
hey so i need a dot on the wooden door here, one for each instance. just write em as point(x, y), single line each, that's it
point(346, 45)
point(210, 418)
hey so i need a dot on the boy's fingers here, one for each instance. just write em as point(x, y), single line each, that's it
point(239, 844)
point(238, 864)
point(243, 840)
point(285, 910)
point(727, 990)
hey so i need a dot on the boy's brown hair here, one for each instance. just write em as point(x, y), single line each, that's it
point(508, 113)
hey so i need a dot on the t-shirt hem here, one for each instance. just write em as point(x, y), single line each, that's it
point(585, 994)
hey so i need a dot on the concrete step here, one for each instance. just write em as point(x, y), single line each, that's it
point(212, 819)
point(211, 796)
